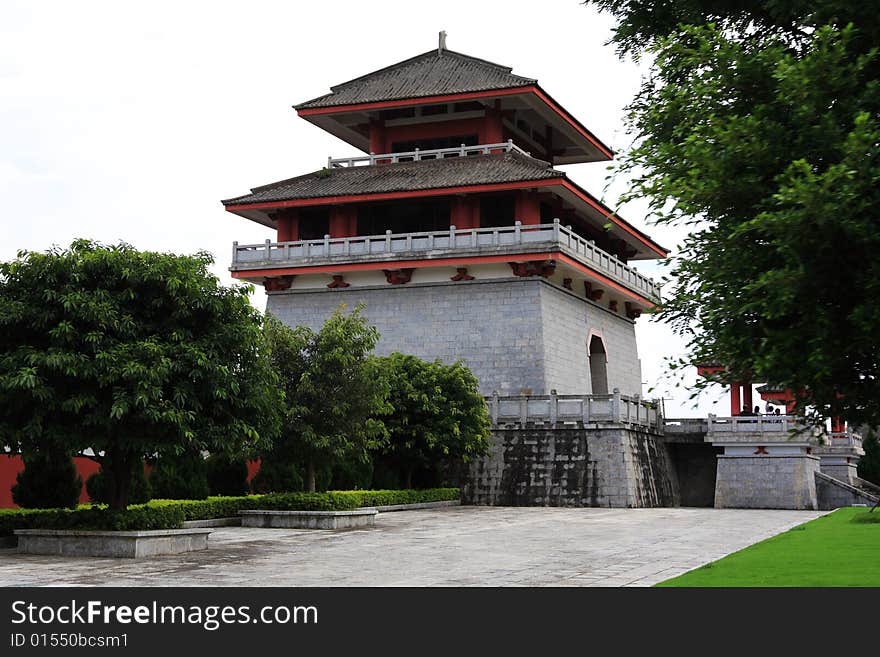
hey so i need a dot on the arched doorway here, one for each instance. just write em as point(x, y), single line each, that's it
point(598, 366)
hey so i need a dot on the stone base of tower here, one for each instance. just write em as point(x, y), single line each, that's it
point(517, 335)
point(767, 481)
point(611, 466)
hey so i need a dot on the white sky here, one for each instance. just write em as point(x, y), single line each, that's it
point(130, 121)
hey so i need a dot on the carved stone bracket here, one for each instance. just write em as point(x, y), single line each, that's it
point(631, 311)
point(612, 305)
point(338, 281)
point(278, 283)
point(462, 275)
point(544, 268)
point(566, 283)
point(398, 276)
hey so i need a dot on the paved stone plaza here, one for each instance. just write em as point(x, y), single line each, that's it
point(456, 546)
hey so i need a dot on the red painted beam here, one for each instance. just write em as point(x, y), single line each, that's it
point(448, 98)
point(445, 262)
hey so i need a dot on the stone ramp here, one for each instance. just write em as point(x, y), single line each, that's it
point(833, 493)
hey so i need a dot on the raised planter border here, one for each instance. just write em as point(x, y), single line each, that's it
point(415, 506)
point(212, 522)
point(365, 517)
point(120, 544)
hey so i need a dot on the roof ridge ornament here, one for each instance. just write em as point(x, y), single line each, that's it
point(441, 44)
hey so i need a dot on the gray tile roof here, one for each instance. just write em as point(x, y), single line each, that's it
point(428, 74)
point(403, 177)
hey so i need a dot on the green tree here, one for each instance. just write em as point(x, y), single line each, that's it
point(49, 481)
point(436, 413)
point(227, 476)
point(127, 355)
point(181, 476)
point(757, 127)
point(332, 389)
point(869, 464)
point(101, 487)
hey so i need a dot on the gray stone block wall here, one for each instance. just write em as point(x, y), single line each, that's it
point(566, 466)
point(568, 321)
point(494, 327)
point(766, 482)
point(514, 334)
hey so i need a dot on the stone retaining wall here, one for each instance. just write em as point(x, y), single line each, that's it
point(612, 466)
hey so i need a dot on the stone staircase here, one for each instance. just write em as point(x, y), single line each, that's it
point(833, 493)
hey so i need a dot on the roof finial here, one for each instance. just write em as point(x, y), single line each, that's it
point(441, 46)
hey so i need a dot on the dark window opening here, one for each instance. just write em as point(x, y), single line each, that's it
point(405, 217)
point(314, 223)
point(598, 366)
point(468, 106)
point(400, 113)
point(497, 210)
point(431, 143)
point(433, 110)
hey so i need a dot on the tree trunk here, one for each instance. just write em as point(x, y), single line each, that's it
point(120, 477)
point(407, 478)
point(310, 477)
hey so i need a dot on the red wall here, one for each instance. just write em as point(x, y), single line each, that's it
point(11, 465)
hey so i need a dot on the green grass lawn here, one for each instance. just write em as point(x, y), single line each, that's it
point(840, 549)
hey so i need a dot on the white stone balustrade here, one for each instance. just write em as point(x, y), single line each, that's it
point(554, 409)
point(418, 155)
point(513, 240)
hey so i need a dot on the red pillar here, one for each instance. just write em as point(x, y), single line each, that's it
point(735, 406)
point(837, 426)
point(527, 208)
point(343, 221)
point(464, 212)
point(492, 131)
point(747, 395)
point(288, 226)
point(377, 137)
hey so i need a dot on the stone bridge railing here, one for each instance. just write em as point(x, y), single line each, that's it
point(522, 410)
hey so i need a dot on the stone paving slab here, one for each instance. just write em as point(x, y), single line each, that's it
point(455, 546)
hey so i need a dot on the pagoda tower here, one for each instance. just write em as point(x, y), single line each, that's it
point(456, 232)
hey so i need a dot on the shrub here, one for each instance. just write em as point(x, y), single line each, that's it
point(135, 518)
point(99, 487)
point(48, 481)
point(213, 507)
point(180, 476)
point(276, 475)
point(227, 476)
point(868, 516)
point(407, 496)
point(352, 474)
point(869, 464)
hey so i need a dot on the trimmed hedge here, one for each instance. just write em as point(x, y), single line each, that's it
point(135, 518)
point(392, 497)
point(170, 514)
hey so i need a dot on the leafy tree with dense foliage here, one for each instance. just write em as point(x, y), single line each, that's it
point(332, 389)
point(227, 476)
point(436, 413)
point(181, 476)
point(49, 481)
point(100, 486)
point(869, 464)
point(758, 128)
point(124, 355)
